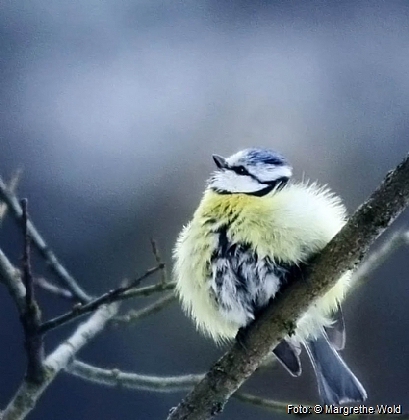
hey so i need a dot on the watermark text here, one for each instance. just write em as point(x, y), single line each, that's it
point(344, 410)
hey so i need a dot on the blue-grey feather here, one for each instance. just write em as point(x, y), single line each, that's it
point(336, 383)
point(289, 357)
point(256, 156)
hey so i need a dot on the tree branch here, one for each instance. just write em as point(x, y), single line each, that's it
point(343, 253)
point(133, 316)
point(29, 393)
point(62, 274)
point(109, 297)
point(11, 278)
point(147, 291)
point(31, 317)
point(379, 256)
point(151, 383)
point(12, 186)
point(116, 377)
point(52, 288)
point(158, 258)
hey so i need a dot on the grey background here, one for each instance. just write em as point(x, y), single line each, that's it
point(113, 110)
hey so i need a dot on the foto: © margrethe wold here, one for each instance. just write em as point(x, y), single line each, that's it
point(344, 410)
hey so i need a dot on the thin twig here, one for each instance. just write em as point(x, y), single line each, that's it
point(62, 274)
point(156, 253)
point(12, 186)
point(27, 276)
point(109, 297)
point(152, 383)
point(133, 316)
point(342, 254)
point(376, 258)
point(29, 393)
point(116, 377)
point(11, 278)
point(31, 317)
point(52, 288)
point(147, 291)
point(121, 379)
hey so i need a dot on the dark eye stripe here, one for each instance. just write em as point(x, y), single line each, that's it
point(240, 170)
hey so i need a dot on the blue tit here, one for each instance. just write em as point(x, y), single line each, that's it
point(252, 230)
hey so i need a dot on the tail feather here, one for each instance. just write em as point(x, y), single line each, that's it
point(336, 383)
point(289, 356)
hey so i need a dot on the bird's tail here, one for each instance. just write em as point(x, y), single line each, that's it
point(336, 383)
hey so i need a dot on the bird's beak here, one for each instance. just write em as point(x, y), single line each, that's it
point(220, 161)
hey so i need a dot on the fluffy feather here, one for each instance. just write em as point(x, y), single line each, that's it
point(286, 226)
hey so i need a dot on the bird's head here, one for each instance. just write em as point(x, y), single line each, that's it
point(251, 171)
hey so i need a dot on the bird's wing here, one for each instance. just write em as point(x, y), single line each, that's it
point(288, 355)
point(336, 333)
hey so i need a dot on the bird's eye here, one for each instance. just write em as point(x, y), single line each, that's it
point(241, 170)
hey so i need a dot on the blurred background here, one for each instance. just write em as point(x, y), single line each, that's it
point(113, 109)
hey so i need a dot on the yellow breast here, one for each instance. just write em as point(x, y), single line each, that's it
point(287, 226)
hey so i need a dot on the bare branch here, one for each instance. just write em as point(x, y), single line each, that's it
point(147, 291)
point(155, 250)
point(62, 274)
point(162, 384)
point(109, 297)
point(116, 377)
point(31, 318)
point(376, 258)
point(29, 392)
point(343, 253)
point(11, 278)
point(52, 288)
point(14, 181)
point(133, 316)
point(28, 278)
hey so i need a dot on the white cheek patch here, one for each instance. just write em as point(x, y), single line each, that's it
point(229, 181)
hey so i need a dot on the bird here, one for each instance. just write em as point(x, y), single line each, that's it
point(252, 233)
